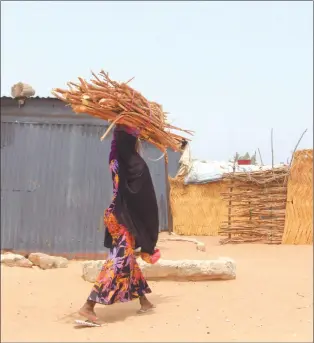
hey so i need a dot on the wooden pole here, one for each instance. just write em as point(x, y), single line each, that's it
point(292, 157)
point(272, 149)
point(260, 156)
point(230, 202)
point(169, 213)
point(272, 166)
point(295, 148)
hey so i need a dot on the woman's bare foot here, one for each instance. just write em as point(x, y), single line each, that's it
point(88, 312)
point(146, 305)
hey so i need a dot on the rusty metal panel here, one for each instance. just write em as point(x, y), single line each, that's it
point(55, 185)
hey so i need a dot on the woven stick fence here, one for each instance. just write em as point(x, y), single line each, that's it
point(257, 207)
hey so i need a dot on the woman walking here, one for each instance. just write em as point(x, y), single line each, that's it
point(131, 221)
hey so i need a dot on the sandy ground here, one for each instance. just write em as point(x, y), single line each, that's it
point(271, 300)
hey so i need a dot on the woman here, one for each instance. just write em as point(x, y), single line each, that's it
point(131, 221)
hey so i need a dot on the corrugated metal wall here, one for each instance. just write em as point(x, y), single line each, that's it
point(55, 184)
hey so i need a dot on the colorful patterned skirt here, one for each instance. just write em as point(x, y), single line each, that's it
point(121, 278)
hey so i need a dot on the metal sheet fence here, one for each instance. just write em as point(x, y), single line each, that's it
point(55, 185)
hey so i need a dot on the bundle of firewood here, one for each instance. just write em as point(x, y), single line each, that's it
point(118, 103)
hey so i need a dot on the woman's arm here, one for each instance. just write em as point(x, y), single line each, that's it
point(114, 168)
point(151, 259)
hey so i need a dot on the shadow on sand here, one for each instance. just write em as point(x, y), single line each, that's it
point(118, 312)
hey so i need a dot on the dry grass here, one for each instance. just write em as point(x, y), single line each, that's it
point(197, 209)
point(200, 209)
point(299, 210)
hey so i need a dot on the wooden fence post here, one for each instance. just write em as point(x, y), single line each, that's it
point(169, 213)
point(230, 204)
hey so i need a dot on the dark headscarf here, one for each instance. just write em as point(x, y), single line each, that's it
point(136, 204)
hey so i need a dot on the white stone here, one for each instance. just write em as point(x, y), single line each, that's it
point(15, 260)
point(91, 269)
point(10, 257)
point(185, 270)
point(60, 262)
point(45, 261)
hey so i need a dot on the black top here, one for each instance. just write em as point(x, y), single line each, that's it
point(135, 204)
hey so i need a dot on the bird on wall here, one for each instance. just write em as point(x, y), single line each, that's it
point(21, 91)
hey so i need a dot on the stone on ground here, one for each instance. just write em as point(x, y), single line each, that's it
point(15, 260)
point(45, 261)
point(184, 270)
